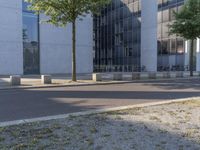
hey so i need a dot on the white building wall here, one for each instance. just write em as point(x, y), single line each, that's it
point(149, 35)
point(11, 47)
point(198, 55)
point(55, 47)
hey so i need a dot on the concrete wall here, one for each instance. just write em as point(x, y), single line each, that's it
point(149, 35)
point(55, 47)
point(11, 48)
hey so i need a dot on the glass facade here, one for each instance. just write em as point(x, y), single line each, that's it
point(117, 34)
point(30, 41)
point(171, 51)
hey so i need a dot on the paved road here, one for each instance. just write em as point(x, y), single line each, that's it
point(31, 103)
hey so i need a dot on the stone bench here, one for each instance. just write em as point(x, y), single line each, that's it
point(152, 75)
point(179, 74)
point(144, 75)
point(118, 76)
point(46, 79)
point(96, 77)
point(166, 75)
point(15, 80)
point(135, 76)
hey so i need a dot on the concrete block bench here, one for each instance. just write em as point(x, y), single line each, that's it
point(166, 75)
point(135, 76)
point(159, 75)
point(144, 75)
point(46, 79)
point(172, 75)
point(96, 77)
point(152, 75)
point(118, 76)
point(15, 80)
point(179, 74)
point(196, 73)
point(186, 74)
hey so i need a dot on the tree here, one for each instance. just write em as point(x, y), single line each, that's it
point(62, 12)
point(187, 25)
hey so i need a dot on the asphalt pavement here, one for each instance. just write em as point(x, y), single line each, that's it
point(16, 104)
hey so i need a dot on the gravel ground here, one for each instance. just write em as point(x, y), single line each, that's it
point(166, 127)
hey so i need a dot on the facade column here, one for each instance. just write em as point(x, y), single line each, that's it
point(149, 35)
point(187, 53)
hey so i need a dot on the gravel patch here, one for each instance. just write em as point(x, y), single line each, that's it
point(173, 126)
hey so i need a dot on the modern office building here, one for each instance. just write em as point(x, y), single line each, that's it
point(132, 35)
point(28, 47)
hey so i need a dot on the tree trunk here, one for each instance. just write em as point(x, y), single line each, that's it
point(74, 51)
point(192, 58)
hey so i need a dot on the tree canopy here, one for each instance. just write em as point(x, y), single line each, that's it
point(187, 23)
point(62, 12)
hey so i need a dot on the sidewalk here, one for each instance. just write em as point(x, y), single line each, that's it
point(35, 81)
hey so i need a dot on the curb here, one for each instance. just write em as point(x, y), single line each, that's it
point(92, 84)
point(92, 112)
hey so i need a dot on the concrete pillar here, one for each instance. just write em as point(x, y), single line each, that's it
point(187, 53)
point(149, 35)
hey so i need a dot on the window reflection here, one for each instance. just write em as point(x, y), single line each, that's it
point(117, 37)
point(171, 48)
point(30, 41)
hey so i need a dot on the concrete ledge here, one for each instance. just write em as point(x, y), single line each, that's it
point(135, 76)
point(144, 75)
point(15, 80)
point(179, 74)
point(96, 77)
point(117, 76)
point(127, 77)
point(166, 75)
point(197, 74)
point(159, 75)
point(152, 75)
point(186, 74)
point(46, 79)
point(172, 75)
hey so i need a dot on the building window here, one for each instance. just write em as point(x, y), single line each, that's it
point(30, 41)
point(117, 37)
point(170, 48)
